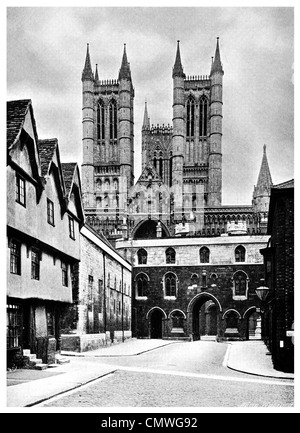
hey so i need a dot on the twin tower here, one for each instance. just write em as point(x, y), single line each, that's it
point(188, 152)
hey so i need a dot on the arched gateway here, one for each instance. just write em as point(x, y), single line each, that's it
point(204, 316)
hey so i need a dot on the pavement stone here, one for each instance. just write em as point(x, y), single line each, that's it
point(252, 357)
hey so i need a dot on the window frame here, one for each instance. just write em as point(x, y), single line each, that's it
point(206, 259)
point(20, 198)
point(171, 295)
point(50, 212)
point(72, 228)
point(241, 255)
point(144, 279)
point(13, 326)
point(15, 257)
point(35, 264)
point(170, 259)
point(142, 259)
point(64, 271)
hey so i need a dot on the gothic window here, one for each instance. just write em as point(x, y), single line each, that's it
point(170, 285)
point(204, 255)
point(98, 185)
point(107, 185)
point(170, 256)
point(116, 184)
point(142, 257)
point(240, 254)
point(100, 121)
point(113, 125)
point(203, 116)
point(142, 285)
point(177, 319)
point(155, 162)
point(171, 170)
point(190, 123)
point(232, 320)
point(240, 283)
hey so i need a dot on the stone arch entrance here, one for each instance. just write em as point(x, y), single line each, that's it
point(204, 311)
point(156, 317)
point(254, 324)
point(147, 229)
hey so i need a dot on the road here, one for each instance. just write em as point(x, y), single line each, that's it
point(177, 375)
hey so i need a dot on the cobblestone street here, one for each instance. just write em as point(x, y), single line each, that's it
point(177, 375)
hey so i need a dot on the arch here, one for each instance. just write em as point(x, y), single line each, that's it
point(176, 310)
point(203, 111)
point(190, 122)
point(240, 254)
point(240, 283)
point(231, 310)
point(204, 255)
point(156, 308)
point(100, 120)
point(253, 308)
point(170, 284)
point(113, 123)
point(142, 256)
point(203, 295)
point(170, 256)
point(146, 229)
point(142, 284)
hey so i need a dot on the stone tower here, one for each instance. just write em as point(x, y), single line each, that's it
point(108, 144)
point(215, 149)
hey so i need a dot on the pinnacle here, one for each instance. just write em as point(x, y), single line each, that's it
point(125, 68)
point(216, 64)
point(146, 122)
point(178, 69)
point(87, 72)
point(264, 181)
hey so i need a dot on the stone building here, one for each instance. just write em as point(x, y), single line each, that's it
point(279, 277)
point(43, 225)
point(101, 310)
point(196, 262)
point(181, 182)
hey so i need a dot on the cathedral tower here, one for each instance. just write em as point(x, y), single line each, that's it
point(108, 149)
point(215, 150)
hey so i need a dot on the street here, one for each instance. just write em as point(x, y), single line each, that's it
point(177, 375)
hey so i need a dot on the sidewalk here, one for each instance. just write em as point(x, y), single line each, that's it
point(252, 357)
point(29, 387)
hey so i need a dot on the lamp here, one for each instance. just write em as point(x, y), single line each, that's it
point(262, 292)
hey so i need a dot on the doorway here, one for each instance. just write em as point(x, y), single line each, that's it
point(156, 324)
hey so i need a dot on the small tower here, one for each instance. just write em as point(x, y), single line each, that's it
point(145, 134)
point(126, 95)
point(88, 132)
point(178, 130)
point(215, 151)
point(262, 190)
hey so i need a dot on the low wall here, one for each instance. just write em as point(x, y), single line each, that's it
point(86, 342)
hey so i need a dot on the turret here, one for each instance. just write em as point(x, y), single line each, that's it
point(88, 132)
point(145, 134)
point(178, 129)
point(215, 150)
point(262, 190)
point(126, 95)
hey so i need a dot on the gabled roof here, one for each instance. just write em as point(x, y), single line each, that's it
point(285, 185)
point(71, 176)
point(46, 150)
point(149, 170)
point(16, 114)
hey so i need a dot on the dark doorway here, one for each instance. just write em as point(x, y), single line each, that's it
point(147, 230)
point(205, 319)
point(156, 324)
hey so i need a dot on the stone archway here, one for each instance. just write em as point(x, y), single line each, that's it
point(204, 312)
point(156, 316)
point(254, 324)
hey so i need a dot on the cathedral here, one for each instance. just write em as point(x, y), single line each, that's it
point(196, 262)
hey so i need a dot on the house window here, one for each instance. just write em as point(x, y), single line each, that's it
point(64, 270)
point(15, 257)
point(142, 257)
point(35, 264)
point(13, 326)
point(170, 256)
point(240, 254)
point(204, 255)
point(51, 323)
point(240, 284)
point(20, 190)
point(170, 285)
point(71, 228)
point(50, 212)
point(142, 286)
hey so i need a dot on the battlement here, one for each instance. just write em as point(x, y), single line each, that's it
point(161, 129)
point(107, 83)
point(196, 81)
point(197, 78)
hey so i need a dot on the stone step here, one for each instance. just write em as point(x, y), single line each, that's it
point(26, 352)
point(30, 357)
point(62, 361)
point(40, 366)
point(35, 362)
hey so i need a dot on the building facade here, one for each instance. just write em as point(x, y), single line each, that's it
point(279, 278)
point(101, 310)
point(43, 225)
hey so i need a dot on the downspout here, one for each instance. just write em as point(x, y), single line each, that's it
point(123, 339)
point(104, 292)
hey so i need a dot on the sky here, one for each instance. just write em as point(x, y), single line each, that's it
point(46, 49)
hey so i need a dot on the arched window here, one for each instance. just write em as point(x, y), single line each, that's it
point(170, 285)
point(142, 257)
point(171, 171)
point(170, 256)
point(142, 285)
point(240, 254)
point(100, 121)
point(240, 283)
point(177, 319)
point(203, 117)
point(190, 116)
point(116, 184)
point(204, 255)
point(107, 185)
point(98, 184)
point(113, 125)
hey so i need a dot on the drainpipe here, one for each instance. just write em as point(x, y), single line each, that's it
point(123, 339)
point(104, 292)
